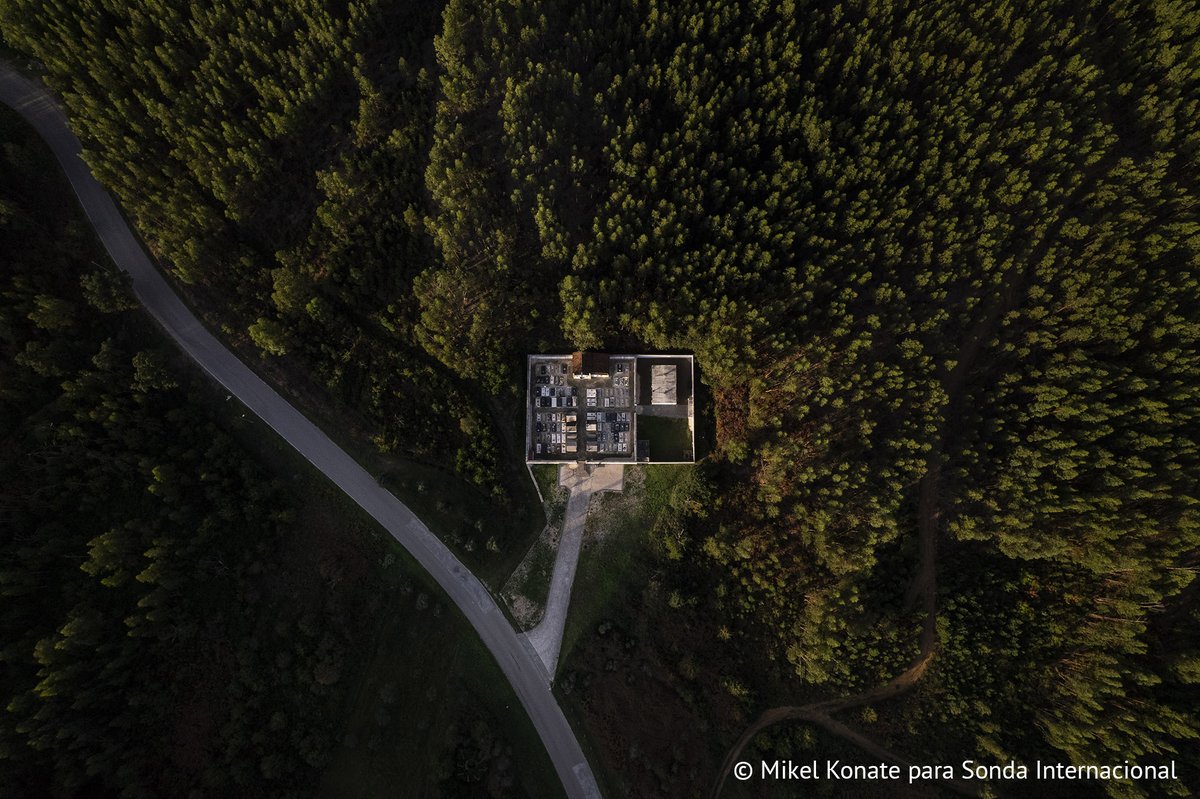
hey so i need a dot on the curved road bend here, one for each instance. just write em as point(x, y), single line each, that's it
point(517, 659)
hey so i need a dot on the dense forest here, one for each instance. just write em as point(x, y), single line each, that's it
point(950, 246)
point(956, 240)
point(177, 619)
point(939, 263)
point(272, 155)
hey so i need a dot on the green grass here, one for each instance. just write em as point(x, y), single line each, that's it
point(554, 496)
point(619, 564)
point(608, 580)
point(546, 475)
point(670, 439)
point(535, 583)
point(491, 544)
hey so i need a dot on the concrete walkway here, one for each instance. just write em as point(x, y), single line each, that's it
point(582, 481)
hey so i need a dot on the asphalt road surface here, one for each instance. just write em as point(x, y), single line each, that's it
point(517, 658)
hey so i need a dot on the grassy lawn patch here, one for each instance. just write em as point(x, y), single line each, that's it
point(554, 496)
point(491, 544)
point(670, 439)
point(617, 547)
point(546, 475)
point(526, 590)
point(628, 675)
point(525, 593)
point(537, 581)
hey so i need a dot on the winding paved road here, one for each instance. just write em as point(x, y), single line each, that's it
point(517, 659)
